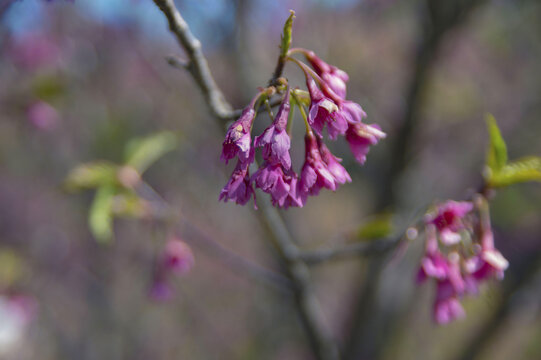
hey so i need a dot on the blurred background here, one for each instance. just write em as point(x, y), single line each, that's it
point(80, 80)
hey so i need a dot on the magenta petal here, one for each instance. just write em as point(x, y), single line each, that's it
point(272, 179)
point(360, 137)
point(238, 139)
point(338, 172)
point(308, 177)
point(448, 310)
point(178, 257)
point(354, 113)
point(280, 149)
point(239, 187)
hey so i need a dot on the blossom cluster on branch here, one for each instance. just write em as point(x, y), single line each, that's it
point(459, 255)
point(327, 108)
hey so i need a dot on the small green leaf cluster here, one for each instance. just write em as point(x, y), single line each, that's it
point(116, 184)
point(498, 171)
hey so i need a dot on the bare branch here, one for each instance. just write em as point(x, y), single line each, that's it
point(356, 250)
point(197, 65)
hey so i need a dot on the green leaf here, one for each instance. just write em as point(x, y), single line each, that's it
point(287, 34)
point(378, 227)
point(141, 153)
point(497, 151)
point(91, 175)
point(523, 170)
point(100, 218)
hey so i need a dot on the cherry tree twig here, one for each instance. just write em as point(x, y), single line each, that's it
point(197, 64)
point(356, 250)
point(323, 346)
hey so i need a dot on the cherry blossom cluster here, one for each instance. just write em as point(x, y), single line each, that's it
point(327, 108)
point(459, 255)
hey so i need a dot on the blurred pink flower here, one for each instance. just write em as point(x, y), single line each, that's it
point(161, 291)
point(489, 263)
point(42, 115)
point(447, 307)
point(177, 257)
point(449, 222)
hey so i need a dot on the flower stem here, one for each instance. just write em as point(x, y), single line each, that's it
point(269, 109)
point(302, 111)
point(307, 70)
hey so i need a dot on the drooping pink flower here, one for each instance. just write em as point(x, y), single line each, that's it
point(160, 291)
point(238, 139)
point(352, 111)
point(339, 173)
point(446, 270)
point(275, 139)
point(293, 198)
point(447, 306)
point(433, 266)
point(335, 78)
point(42, 115)
point(239, 187)
point(360, 137)
point(489, 263)
point(433, 263)
point(449, 222)
point(315, 174)
point(324, 111)
point(177, 257)
point(281, 184)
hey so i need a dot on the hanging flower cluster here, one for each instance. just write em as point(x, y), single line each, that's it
point(176, 259)
point(327, 108)
point(459, 255)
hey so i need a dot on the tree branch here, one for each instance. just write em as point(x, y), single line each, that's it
point(371, 323)
point(197, 65)
point(314, 257)
point(320, 339)
point(322, 344)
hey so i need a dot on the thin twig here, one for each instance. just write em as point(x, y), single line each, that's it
point(200, 238)
point(323, 346)
point(356, 250)
point(197, 65)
